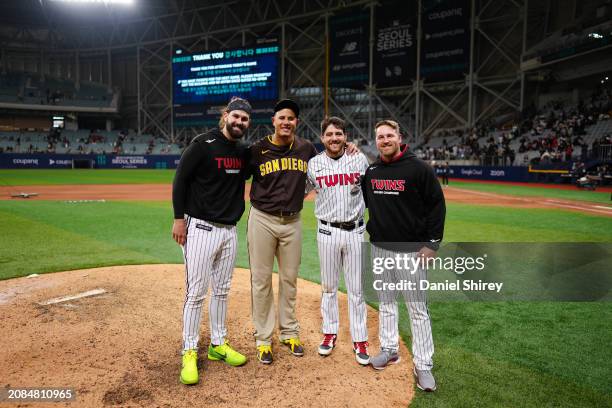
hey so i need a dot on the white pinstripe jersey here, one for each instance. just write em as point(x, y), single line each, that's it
point(337, 182)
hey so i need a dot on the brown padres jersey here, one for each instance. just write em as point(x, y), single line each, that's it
point(279, 174)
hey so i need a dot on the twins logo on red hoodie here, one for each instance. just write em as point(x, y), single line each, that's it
point(385, 186)
point(232, 165)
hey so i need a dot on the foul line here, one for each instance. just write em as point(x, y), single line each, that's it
point(584, 208)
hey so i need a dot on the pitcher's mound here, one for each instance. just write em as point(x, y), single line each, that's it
point(122, 347)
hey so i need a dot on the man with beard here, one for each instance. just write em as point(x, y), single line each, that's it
point(340, 209)
point(407, 212)
point(208, 201)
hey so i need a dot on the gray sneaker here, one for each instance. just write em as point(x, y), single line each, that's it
point(425, 380)
point(386, 357)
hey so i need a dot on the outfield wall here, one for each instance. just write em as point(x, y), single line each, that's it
point(543, 174)
point(112, 161)
point(99, 161)
point(488, 173)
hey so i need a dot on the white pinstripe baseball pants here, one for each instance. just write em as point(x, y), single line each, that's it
point(210, 254)
point(416, 302)
point(341, 250)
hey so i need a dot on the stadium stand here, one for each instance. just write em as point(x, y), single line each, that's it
point(558, 133)
point(84, 142)
point(34, 89)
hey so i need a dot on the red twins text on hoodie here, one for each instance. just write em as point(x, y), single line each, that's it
point(404, 200)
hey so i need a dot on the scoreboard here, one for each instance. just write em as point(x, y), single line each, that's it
point(206, 81)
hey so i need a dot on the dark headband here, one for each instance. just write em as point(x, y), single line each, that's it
point(239, 104)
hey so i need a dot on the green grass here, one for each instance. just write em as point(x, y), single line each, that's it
point(519, 354)
point(487, 354)
point(84, 176)
point(535, 191)
point(467, 223)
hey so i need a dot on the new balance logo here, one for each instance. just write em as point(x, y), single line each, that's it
point(350, 46)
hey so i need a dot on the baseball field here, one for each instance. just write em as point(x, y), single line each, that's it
point(508, 354)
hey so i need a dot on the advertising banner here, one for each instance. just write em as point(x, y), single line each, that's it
point(349, 50)
point(445, 48)
point(100, 161)
point(395, 44)
point(488, 173)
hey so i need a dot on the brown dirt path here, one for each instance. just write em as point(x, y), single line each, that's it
point(464, 196)
point(122, 348)
point(144, 192)
point(148, 192)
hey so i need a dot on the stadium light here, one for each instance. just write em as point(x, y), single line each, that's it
point(126, 2)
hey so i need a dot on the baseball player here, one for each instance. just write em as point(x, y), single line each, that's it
point(279, 163)
point(208, 200)
point(406, 206)
point(339, 208)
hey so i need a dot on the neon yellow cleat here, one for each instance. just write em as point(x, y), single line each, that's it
point(226, 353)
point(264, 353)
point(295, 346)
point(189, 371)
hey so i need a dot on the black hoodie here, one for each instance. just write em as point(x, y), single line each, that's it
point(405, 201)
point(209, 179)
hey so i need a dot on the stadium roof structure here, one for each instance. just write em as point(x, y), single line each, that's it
point(75, 25)
point(49, 13)
point(501, 33)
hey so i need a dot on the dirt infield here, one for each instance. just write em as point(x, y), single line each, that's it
point(164, 192)
point(464, 196)
point(122, 348)
point(145, 192)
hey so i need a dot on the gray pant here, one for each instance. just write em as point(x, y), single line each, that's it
point(416, 302)
point(341, 250)
point(210, 254)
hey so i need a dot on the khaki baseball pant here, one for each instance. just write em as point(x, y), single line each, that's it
point(271, 236)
